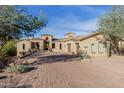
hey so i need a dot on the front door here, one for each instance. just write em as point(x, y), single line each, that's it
point(69, 48)
point(77, 48)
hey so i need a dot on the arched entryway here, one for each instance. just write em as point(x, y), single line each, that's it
point(46, 45)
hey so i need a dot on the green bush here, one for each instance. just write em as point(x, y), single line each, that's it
point(84, 55)
point(9, 48)
point(18, 69)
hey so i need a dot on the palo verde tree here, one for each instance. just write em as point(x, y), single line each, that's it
point(16, 22)
point(111, 25)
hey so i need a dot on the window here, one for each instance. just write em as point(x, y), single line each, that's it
point(93, 49)
point(121, 42)
point(53, 45)
point(77, 45)
point(60, 46)
point(23, 46)
point(46, 38)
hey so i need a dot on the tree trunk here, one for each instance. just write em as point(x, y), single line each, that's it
point(1, 53)
point(108, 48)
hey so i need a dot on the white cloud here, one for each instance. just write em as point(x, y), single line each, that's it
point(82, 26)
point(58, 26)
point(93, 9)
point(71, 23)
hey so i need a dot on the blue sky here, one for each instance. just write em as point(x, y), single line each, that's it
point(81, 20)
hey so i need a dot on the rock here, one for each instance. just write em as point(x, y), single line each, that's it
point(11, 64)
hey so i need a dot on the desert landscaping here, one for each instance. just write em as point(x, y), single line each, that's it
point(60, 70)
point(53, 52)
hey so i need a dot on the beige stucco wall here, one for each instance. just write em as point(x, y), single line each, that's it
point(85, 45)
point(73, 46)
point(40, 43)
point(27, 45)
point(65, 46)
point(57, 47)
point(20, 46)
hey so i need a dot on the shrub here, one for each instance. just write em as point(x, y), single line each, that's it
point(9, 48)
point(84, 55)
point(22, 53)
point(121, 49)
point(4, 62)
point(18, 69)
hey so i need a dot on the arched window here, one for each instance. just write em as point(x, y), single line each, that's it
point(53, 45)
point(60, 46)
point(23, 46)
point(46, 38)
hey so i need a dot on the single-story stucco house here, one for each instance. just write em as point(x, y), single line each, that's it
point(69, 44)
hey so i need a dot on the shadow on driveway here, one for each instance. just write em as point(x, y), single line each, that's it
point(3, 77)
point(56, 58)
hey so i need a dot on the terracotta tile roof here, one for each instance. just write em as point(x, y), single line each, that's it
point(77, 38)
point(69, 33)
point(29, 39)
point(91, 35)
point(54, 39)
point(65, 39)
point(46, 35)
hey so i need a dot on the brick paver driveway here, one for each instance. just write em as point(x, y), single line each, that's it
point(60, 70)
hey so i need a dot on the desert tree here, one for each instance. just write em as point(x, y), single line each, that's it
point(16, 23)
point(111, 25)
